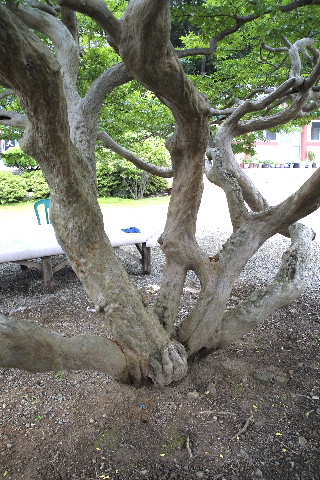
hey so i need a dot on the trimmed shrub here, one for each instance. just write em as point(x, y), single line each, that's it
point(13, 188)
point(118, 177)
point(124, 180)
point(37, 184)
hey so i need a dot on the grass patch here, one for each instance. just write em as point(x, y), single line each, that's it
point(16, 207)
point(130, 202)
point(27, 207)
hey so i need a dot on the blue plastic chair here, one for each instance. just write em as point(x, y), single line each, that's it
point(46, 203)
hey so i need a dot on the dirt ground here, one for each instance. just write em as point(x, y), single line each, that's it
point(248, 412)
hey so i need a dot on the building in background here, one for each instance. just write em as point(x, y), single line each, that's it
point(293, 147)
point(4, 146)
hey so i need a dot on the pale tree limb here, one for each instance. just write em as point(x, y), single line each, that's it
point(35, 4)
point(103, 86)
point(222, 157)
point(288, 284)
point(28, 346)
point(98, 11)
point(69, 19)
point(300, 204)
point(218, 174)
point(300, 88)
point(293, 52)
point(137, 161)
point(250, 106)
point(7, 93)
point(67, 49)
point(210, 326)
point(13, 119)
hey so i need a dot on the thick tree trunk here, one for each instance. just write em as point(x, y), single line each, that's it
point(76, 215)
point(61, 130)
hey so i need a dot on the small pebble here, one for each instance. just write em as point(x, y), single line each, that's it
point(193, 395)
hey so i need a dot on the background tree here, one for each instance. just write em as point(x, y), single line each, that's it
point(275, 84)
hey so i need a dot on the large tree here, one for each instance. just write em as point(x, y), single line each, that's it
point(40, 61)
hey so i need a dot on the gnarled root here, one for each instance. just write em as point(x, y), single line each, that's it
point(170, 367)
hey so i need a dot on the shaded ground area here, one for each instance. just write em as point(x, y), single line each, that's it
point(248, 412)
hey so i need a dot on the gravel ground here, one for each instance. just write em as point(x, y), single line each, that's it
point(248, 412)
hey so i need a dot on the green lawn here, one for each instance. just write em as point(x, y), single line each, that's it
point(129, 202)
point(27, 207)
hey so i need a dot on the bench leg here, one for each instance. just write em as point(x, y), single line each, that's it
point(48, 284)
point(146, 258)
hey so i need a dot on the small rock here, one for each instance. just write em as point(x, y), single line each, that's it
point(200, 474)
point(261, 377)
point(193, 395)
point(211, 389)
point(258, 473)
point(302, 441)
point(280, 379)
point(91, 420)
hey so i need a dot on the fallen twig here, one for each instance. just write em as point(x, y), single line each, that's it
point(244, 428)
point(212, 412)
point(188, 447)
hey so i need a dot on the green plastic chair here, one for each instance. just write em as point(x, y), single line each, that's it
point(46, 203)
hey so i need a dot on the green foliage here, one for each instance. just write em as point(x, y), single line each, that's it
point(239, 65)
point(15, 157)
point(37, 184)
point(13, 188)
point(311, 156)
point(245, 143)
point(10, 102)
point(117, 177)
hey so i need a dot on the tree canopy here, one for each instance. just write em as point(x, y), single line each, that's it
point(197, 76)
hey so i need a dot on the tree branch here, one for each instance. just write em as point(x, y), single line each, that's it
point(300, 204)
point(29, 346)
point(239, 22)
point(69, 19)
point(66, 47)
point(42, 6)
point(137, 161)
point(104, 85)
point(218, 174)
point(286, 287)
point(98, 11)
point(13, 119)
point(7, 93)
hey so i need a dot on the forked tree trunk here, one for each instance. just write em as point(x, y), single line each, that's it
point(77, 218)
point(135, 343)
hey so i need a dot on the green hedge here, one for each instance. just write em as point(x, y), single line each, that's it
point(13, 188)
point(37, 184)
point(126, 181)
point(115, 179)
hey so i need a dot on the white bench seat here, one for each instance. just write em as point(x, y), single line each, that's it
point(40, 242)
